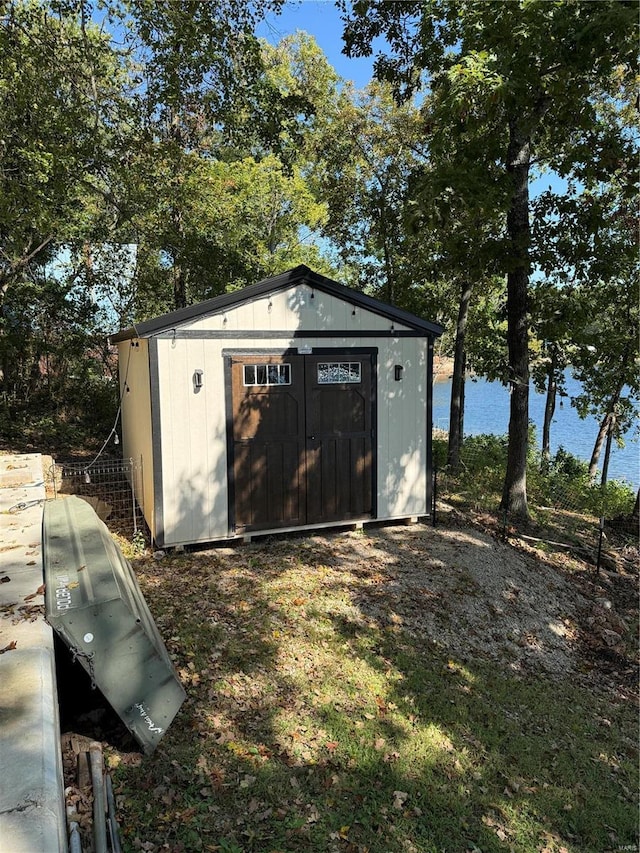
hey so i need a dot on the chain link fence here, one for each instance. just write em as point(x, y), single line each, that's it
point(109, 485)
point(567, 508)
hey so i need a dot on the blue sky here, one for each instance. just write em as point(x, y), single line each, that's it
point(321, 19)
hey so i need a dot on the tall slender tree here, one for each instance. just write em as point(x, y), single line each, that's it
point(588, 308)
point(456, 221)
point(520, 78)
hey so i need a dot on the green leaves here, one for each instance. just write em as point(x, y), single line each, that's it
point(507, 85)
point(153, 156)
point(49, 136)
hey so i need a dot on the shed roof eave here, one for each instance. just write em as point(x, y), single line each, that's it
point(300, 274)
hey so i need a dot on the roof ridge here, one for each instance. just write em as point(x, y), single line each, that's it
point(172, 319)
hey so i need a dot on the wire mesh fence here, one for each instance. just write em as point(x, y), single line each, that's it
point(113, 487)
point(574, 511)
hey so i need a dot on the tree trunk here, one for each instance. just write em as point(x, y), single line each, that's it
point(179, 286)
point(549, 407)
point(514, 495)
point(607, 450)
point(456, 410)
point(388, 257)
point(179, 272)
point(597, 447)
point(607, 424)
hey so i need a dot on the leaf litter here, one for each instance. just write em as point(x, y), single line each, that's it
point(303, 729)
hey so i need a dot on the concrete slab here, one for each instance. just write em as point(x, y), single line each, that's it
point(32, 808)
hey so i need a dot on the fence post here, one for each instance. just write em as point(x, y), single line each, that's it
point(143, 497)
point(52, 474)
point(133, 497)
point(435, 494)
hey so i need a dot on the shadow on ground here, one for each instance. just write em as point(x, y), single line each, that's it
point(357, 692)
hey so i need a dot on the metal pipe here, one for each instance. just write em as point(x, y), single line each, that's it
point(53, 474)
point(133, 496)
point(113, 823)
point(97, 781)
point(75, 842)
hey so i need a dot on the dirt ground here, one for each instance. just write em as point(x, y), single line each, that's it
point(463, 588)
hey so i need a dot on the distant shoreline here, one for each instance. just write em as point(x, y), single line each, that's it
point(442, 368)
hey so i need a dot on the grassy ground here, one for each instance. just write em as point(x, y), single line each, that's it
point(312, 726)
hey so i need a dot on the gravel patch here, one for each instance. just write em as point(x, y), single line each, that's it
point(467, 592)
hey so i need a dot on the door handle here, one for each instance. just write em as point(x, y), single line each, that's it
point(311, 438)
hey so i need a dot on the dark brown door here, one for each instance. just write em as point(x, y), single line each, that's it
point(339, 437)
point(302, 440)
point(268, 442)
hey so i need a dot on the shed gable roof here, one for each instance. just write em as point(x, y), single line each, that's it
point(299, 275)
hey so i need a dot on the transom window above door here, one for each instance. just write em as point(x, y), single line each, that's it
point(336, 372)
point(267, 374)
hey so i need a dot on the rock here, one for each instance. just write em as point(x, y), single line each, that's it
point(610, 638)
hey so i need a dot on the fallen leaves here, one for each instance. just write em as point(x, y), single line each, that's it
point(495, 822)
point(324, 726)
point(399, 799)
point(39, 591)
point(9, 648)
point(341, 834)
point(189, 675)
point(382, 705)
point(28, 613)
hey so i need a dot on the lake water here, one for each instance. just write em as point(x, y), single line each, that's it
point(487, 411)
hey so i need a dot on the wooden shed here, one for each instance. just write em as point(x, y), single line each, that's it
point(293, 403)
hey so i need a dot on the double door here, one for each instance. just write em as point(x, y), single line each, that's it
point(301, 439)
